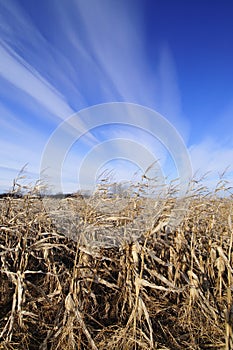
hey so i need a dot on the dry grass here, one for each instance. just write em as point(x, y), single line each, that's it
point(164, 289)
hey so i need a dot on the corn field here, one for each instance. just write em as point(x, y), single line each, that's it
point(157, 288)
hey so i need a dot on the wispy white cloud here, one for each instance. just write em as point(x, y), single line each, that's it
point(210, 156)
point(19, 32)
point(22, 82)
point(120, 60)
point(213, 159)
point(169, 95)
point(20, 74)
point(14, 157)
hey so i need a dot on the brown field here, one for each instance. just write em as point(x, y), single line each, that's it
point(117, 279)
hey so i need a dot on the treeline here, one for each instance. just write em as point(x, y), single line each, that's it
point(55, 196)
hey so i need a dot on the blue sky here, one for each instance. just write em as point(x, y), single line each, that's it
point(58, 57)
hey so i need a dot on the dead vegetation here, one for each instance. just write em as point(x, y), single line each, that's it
point(165, 289)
